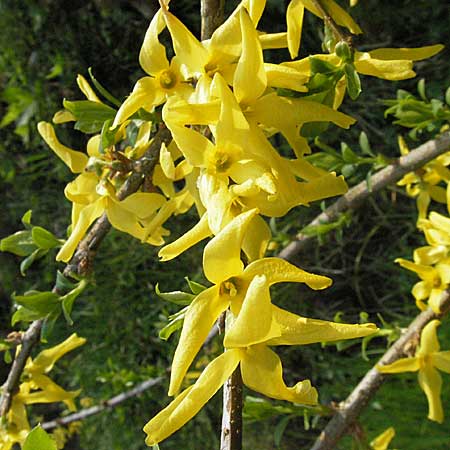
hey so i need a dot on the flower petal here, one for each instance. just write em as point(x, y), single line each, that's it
point(152, 56)
point(428, 339)
point(86, 89)
point(262, 371)
point(441, 361)
point(198, 321)
point(278, 270)
point(256, 239)
point(76, 161)
point(297, 330)
point(222, 255)
point(254, 323)
point(410, 54)
point(196, 234)
point(401, 365)
point(294, 19)
point(191, 400)
point(250, 79)
point(382, 441)
point(431, 383)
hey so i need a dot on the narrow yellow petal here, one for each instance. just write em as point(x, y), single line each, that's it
point(192, 55)
point(143, 96)
point(341, 17)
point(254, 323)
point(196, 234)
point(428, 339)
point(279, 76)
point(255, 8)
point(86, 217)
point(382, 441)
point(152, 56)
point(76, 161)
point(294, 19)
point(441, 361)
point(401, 365)
point(45, 360)
point(324, 187)
point(198, 321)
point(256, 239)
point(190, 401)
point(278, 270)
point(142, 204)
point(431, 383)
point(297, 330)
point(410, 54)
point(63, 116)
point(250, 79)
point(123, 220)
point(262, 371)
point(86, 89)
point(388, 70)
point(222, 255)
point(166, 162)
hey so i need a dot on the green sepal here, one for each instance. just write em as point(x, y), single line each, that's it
point(344, 51)
point(102, 90)
point(195, 287)
point(38, 439)
point(29, 260)
point(68, 300)
point(353, 81)
point(178, 297)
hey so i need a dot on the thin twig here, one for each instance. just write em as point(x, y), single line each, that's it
point(111, 403)
point(80, 264)
point(356, 195)
point(351, 408)
point(338, 34)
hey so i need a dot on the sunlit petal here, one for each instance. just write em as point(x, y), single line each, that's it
point(401, 365)
point(428, 339)
point(431, 383)
point(190, 401)
point(294, 19)
point(262, 371)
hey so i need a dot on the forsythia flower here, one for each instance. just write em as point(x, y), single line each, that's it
point(38, 388)
point(428, 358)
point(382, 441)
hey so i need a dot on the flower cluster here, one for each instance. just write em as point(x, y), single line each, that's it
point(222, 102)
point(37, 387)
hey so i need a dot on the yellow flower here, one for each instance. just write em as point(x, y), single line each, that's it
point(382, 441)
point(428, 358)
point(423, 183)
point(38, 389)
point(254, 324)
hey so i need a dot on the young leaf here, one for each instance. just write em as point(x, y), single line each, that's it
point(44, 239)
point(29, 260)
point(103, 91)
point(421, 89)
point(365, 145)
point(171, 327)
point(178, 297)
point(279, 430)
point(68, 300)
point(353, 81)
point(195, 287)
point(26, 219)
point(20, 243)
point(38, 439)
point(39, 302)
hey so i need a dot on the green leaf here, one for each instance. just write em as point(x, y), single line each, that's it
point(24, 315)
point(348, 155)
point(171, 327)
point(195, 287)
point(20, 243)
point(353, 81)
point(26, 219)
point(103, 91)
point(279, 430)
point(421, 89)
point(40, 302)
point(38, 439)
point(447, 96)
point(63, 284)
point(29, 260)
point(49, 324)
point(365, 145)
point(178, 297)
point(89, 111)
point(44, 238)
point(107, 137)
point(68, 300)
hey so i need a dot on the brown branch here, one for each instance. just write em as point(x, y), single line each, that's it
point(212, 13)
point(111, 403)
point(232, 413)
point(357, 194)
point(351, 408)
point(338, 33)
point(81, 262)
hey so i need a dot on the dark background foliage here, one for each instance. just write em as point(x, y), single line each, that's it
point(43, 45)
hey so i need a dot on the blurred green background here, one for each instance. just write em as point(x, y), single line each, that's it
point(43, 46)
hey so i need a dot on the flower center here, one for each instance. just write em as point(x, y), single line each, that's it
point(230, 287)
point(167, 79)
